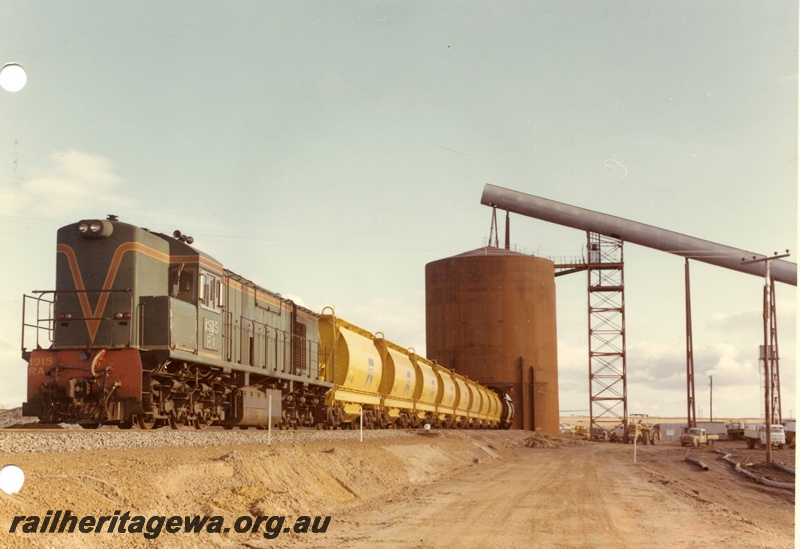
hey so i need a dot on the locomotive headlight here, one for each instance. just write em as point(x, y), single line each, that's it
point(93, 228)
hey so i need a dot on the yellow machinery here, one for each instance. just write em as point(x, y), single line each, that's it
point(641, 431)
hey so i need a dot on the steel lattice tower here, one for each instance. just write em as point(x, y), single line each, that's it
point(608, 399)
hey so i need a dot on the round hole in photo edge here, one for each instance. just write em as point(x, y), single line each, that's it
point(11, 479)
point(13, 77)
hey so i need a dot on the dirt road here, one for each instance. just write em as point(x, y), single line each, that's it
point(455, 489)
point(581, 496)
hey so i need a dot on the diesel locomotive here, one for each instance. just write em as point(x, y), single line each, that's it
point(144, 329)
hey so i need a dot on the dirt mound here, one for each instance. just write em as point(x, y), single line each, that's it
point(541, 440)
point(313, 478)
point(12, 418)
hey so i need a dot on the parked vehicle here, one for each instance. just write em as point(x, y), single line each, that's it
point(757, 434)
point(643, 433)
point(696, 436)
point(790, 429)
point(735, 430)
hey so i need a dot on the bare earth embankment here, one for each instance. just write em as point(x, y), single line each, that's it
point(450, 489)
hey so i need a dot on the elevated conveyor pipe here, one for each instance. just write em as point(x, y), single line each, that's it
point(635, 232)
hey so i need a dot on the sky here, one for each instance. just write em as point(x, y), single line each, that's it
point(329, 150)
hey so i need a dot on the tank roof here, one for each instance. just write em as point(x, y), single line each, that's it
point(494, 252)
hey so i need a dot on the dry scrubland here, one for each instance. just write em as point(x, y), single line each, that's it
point(398, 489)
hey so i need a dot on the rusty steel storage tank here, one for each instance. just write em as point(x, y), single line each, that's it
point(491, 316)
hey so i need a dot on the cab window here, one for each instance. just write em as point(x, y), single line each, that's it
point(210, 291)
point(181, 283)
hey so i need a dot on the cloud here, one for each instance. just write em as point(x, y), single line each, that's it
point(656, 375)
point(70, 181)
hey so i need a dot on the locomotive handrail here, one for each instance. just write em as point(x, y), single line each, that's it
point(46, 323)
point(272, 342)
point(48, 329)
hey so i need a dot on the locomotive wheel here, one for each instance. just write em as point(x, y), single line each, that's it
point(90, 425)
point(175, 423)
point(201, 424)
point(127, 424)
point(145, 423)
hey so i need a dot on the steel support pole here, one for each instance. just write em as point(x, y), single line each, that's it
point(691, 418)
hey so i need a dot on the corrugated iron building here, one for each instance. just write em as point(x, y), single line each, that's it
point(491, 316)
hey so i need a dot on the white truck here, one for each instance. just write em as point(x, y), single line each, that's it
point(791, 428)
point(757, 434)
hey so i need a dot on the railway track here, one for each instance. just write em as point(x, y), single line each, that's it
point(27, 441)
